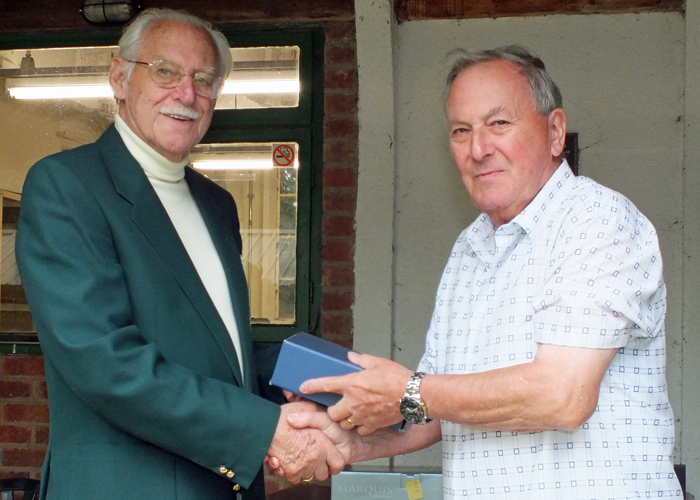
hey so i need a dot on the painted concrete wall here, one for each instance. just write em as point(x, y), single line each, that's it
point(623, 78)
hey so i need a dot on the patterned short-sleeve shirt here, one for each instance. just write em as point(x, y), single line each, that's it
point(580, 266)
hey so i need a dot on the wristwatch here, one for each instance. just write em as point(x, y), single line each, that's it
point(411, 405)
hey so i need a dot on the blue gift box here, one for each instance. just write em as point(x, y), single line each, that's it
point(303, 357)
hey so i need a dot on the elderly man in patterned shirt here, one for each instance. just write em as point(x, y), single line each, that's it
point(544, 367)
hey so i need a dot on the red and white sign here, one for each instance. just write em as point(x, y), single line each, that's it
point(283, 155)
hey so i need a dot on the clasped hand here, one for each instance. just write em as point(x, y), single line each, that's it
point(314, 443)
point(307, 444)
point(370, 397)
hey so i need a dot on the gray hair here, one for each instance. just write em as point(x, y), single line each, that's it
point(545, 93)
point(132, 37)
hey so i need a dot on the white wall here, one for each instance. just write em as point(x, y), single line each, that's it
point(623, 78)
point(690, 376)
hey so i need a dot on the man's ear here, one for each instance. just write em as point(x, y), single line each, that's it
point(556, 122)
point(117, 78)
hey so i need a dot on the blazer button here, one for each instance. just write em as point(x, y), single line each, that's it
point(223, 469)
point(230, 474)
point(236, 487)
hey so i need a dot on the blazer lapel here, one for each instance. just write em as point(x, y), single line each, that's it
point(150, 217)
point(222, 224)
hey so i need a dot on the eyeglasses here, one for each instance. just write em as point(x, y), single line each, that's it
point(169, 75)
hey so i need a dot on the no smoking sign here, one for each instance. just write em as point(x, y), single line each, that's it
point(283, 155)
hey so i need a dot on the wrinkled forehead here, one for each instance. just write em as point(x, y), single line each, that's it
point(175, 39)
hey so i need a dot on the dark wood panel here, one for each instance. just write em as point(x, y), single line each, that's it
point(409, 10)
point(32, 15)
point(12, 294)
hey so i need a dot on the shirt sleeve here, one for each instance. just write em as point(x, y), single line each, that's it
point(603, 283)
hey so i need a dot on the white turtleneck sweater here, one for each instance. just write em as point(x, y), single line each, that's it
point(168, 180)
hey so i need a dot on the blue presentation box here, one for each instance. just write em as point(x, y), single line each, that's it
point(303, 357)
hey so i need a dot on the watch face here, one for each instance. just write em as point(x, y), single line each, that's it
point(412, 411)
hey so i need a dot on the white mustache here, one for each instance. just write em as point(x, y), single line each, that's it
point(182, 111)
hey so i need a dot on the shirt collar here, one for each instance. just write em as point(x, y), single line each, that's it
point(155, 165)
point(530, 222)
point(538, 214)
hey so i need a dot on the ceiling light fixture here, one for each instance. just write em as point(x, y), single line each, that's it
point(109, 11)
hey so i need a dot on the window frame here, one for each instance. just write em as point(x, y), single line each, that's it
point(302, 124)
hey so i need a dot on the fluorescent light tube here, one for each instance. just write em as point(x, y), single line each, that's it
point(261, 87)
point(16, 90)
point(61, 92)
point(233, 164)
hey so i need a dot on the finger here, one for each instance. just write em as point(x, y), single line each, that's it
point(365, 361)
point(347, 424)
point(315, 419)
point(324, 384)
point(335, 460)
point(291, 397)
point(321, 472)
point(272, 462)
point(308, 473)
point(339, 411)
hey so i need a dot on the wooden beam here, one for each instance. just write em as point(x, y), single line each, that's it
point(42, 15)
point(411, 10)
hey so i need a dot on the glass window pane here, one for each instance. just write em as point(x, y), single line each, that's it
point(58, 98)
point(37, 122)
point(262, 77)
point(262, 179)
point(14, 312)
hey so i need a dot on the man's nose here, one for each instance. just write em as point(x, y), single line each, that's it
point(481, 145)
point(185, 90)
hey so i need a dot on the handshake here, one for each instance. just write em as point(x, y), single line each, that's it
point(312, 442)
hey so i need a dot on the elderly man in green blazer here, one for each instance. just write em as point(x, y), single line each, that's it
point(131, 264)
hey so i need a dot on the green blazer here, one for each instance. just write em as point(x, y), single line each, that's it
point(145, 392)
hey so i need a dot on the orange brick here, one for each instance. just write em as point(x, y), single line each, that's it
point(14, 457)
point(340, 54)
point(337, 301)
point(26, 413)
point(339, 200)
point(340, 79)
point(340, 127)
point(14, 389)
point(337, 328)
point(339, 177)
point(338, 275)
point(15, 434)
point(341, 104)
point(340, 150)
point(41, 435)
point(338, 250)
point(23, 365)
point(340, 225)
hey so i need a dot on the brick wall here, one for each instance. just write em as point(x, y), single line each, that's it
point(24, 411)
point(24, 416)
point(340, 165)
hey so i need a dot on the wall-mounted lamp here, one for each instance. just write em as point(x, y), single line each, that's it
point(109, 11)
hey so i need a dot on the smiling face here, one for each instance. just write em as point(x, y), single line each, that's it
point(504, 149)
point(171, 121)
